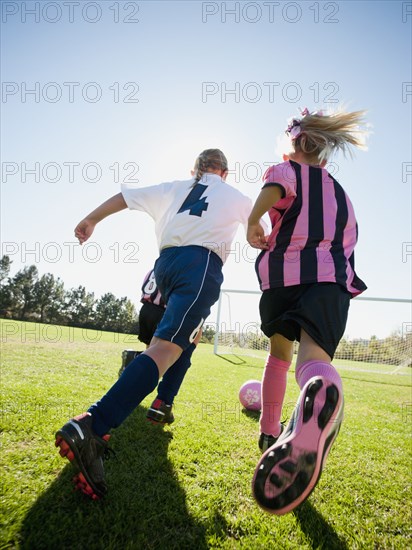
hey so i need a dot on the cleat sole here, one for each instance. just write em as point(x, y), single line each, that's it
point(288, 472)
point(65, 450)
point(82, 481)
point(82, 485)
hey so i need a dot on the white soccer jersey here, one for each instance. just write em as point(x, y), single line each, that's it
point(207, 214)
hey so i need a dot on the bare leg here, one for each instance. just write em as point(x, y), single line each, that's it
point(309, 350)
point(281, 347)
point(163, 353)
point(312, 361)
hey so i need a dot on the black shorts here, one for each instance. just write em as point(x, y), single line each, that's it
point(321, 309)
point(149, 317)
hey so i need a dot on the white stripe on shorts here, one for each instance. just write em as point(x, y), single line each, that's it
point(197, 296)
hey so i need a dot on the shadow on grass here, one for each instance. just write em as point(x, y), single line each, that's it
point(145, 507)
point(255, 415)
point(317, 529)
point(369, 381)
point(238, 360)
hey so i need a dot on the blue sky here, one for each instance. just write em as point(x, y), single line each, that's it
point(165, 80)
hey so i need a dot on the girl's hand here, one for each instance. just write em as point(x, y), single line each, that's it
point(86, 227)
point(256, 236)
point(84, 230)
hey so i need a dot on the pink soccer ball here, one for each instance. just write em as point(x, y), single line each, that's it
point(250, 395)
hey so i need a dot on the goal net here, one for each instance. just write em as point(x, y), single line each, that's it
point(378, 335)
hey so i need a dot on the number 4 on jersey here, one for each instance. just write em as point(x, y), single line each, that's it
point(194, 203)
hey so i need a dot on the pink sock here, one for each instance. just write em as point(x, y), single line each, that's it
point(309, 369)
point(273, 393)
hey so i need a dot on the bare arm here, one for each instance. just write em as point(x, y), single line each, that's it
point(266, 199)
point(86, 227)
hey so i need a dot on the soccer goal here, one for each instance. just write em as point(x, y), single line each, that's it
point(378, 335)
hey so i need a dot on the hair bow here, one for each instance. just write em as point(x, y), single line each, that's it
point(294, 130)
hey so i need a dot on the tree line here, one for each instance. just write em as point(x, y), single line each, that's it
point(30, 297)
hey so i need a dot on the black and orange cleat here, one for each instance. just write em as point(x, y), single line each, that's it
point(86, 450)
point(160, 413)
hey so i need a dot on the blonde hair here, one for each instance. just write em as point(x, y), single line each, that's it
point(318, 135)
point(209, 159)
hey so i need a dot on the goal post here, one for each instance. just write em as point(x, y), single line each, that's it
point(378, 335)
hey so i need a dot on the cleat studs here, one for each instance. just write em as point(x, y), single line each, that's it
point(281, 452)
point(289, 467)
point(315, 386)
point(332, 397)
point(264, 468)
point(332, 394)
point(65, 451)
point(271, 458)
point(291, 493)
point(82, 485)
point(276, 481)
point(81, 478)
point(309, 400)
point(310, 458)
point(302, 481)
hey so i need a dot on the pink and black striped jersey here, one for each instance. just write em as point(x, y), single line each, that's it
point(314, 231)
point(150, 292)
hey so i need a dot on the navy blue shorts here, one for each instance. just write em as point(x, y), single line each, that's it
point(189, 279)
point(321, 309)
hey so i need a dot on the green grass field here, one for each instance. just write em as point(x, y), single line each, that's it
point(188, 486)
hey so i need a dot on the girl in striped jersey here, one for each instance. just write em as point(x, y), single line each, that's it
point(306, 271)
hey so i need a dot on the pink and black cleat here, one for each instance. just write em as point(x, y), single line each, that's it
point(289, 470)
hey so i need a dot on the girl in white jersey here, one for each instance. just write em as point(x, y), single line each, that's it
point(195, 222)
point(306, 271)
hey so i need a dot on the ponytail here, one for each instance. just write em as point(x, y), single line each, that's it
point(316, 134)
point(208, 160)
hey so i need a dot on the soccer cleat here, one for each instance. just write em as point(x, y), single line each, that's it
point(127, 357)
point(289, 470)
point(160, 413)
point(79, 444)
point(266, 441)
